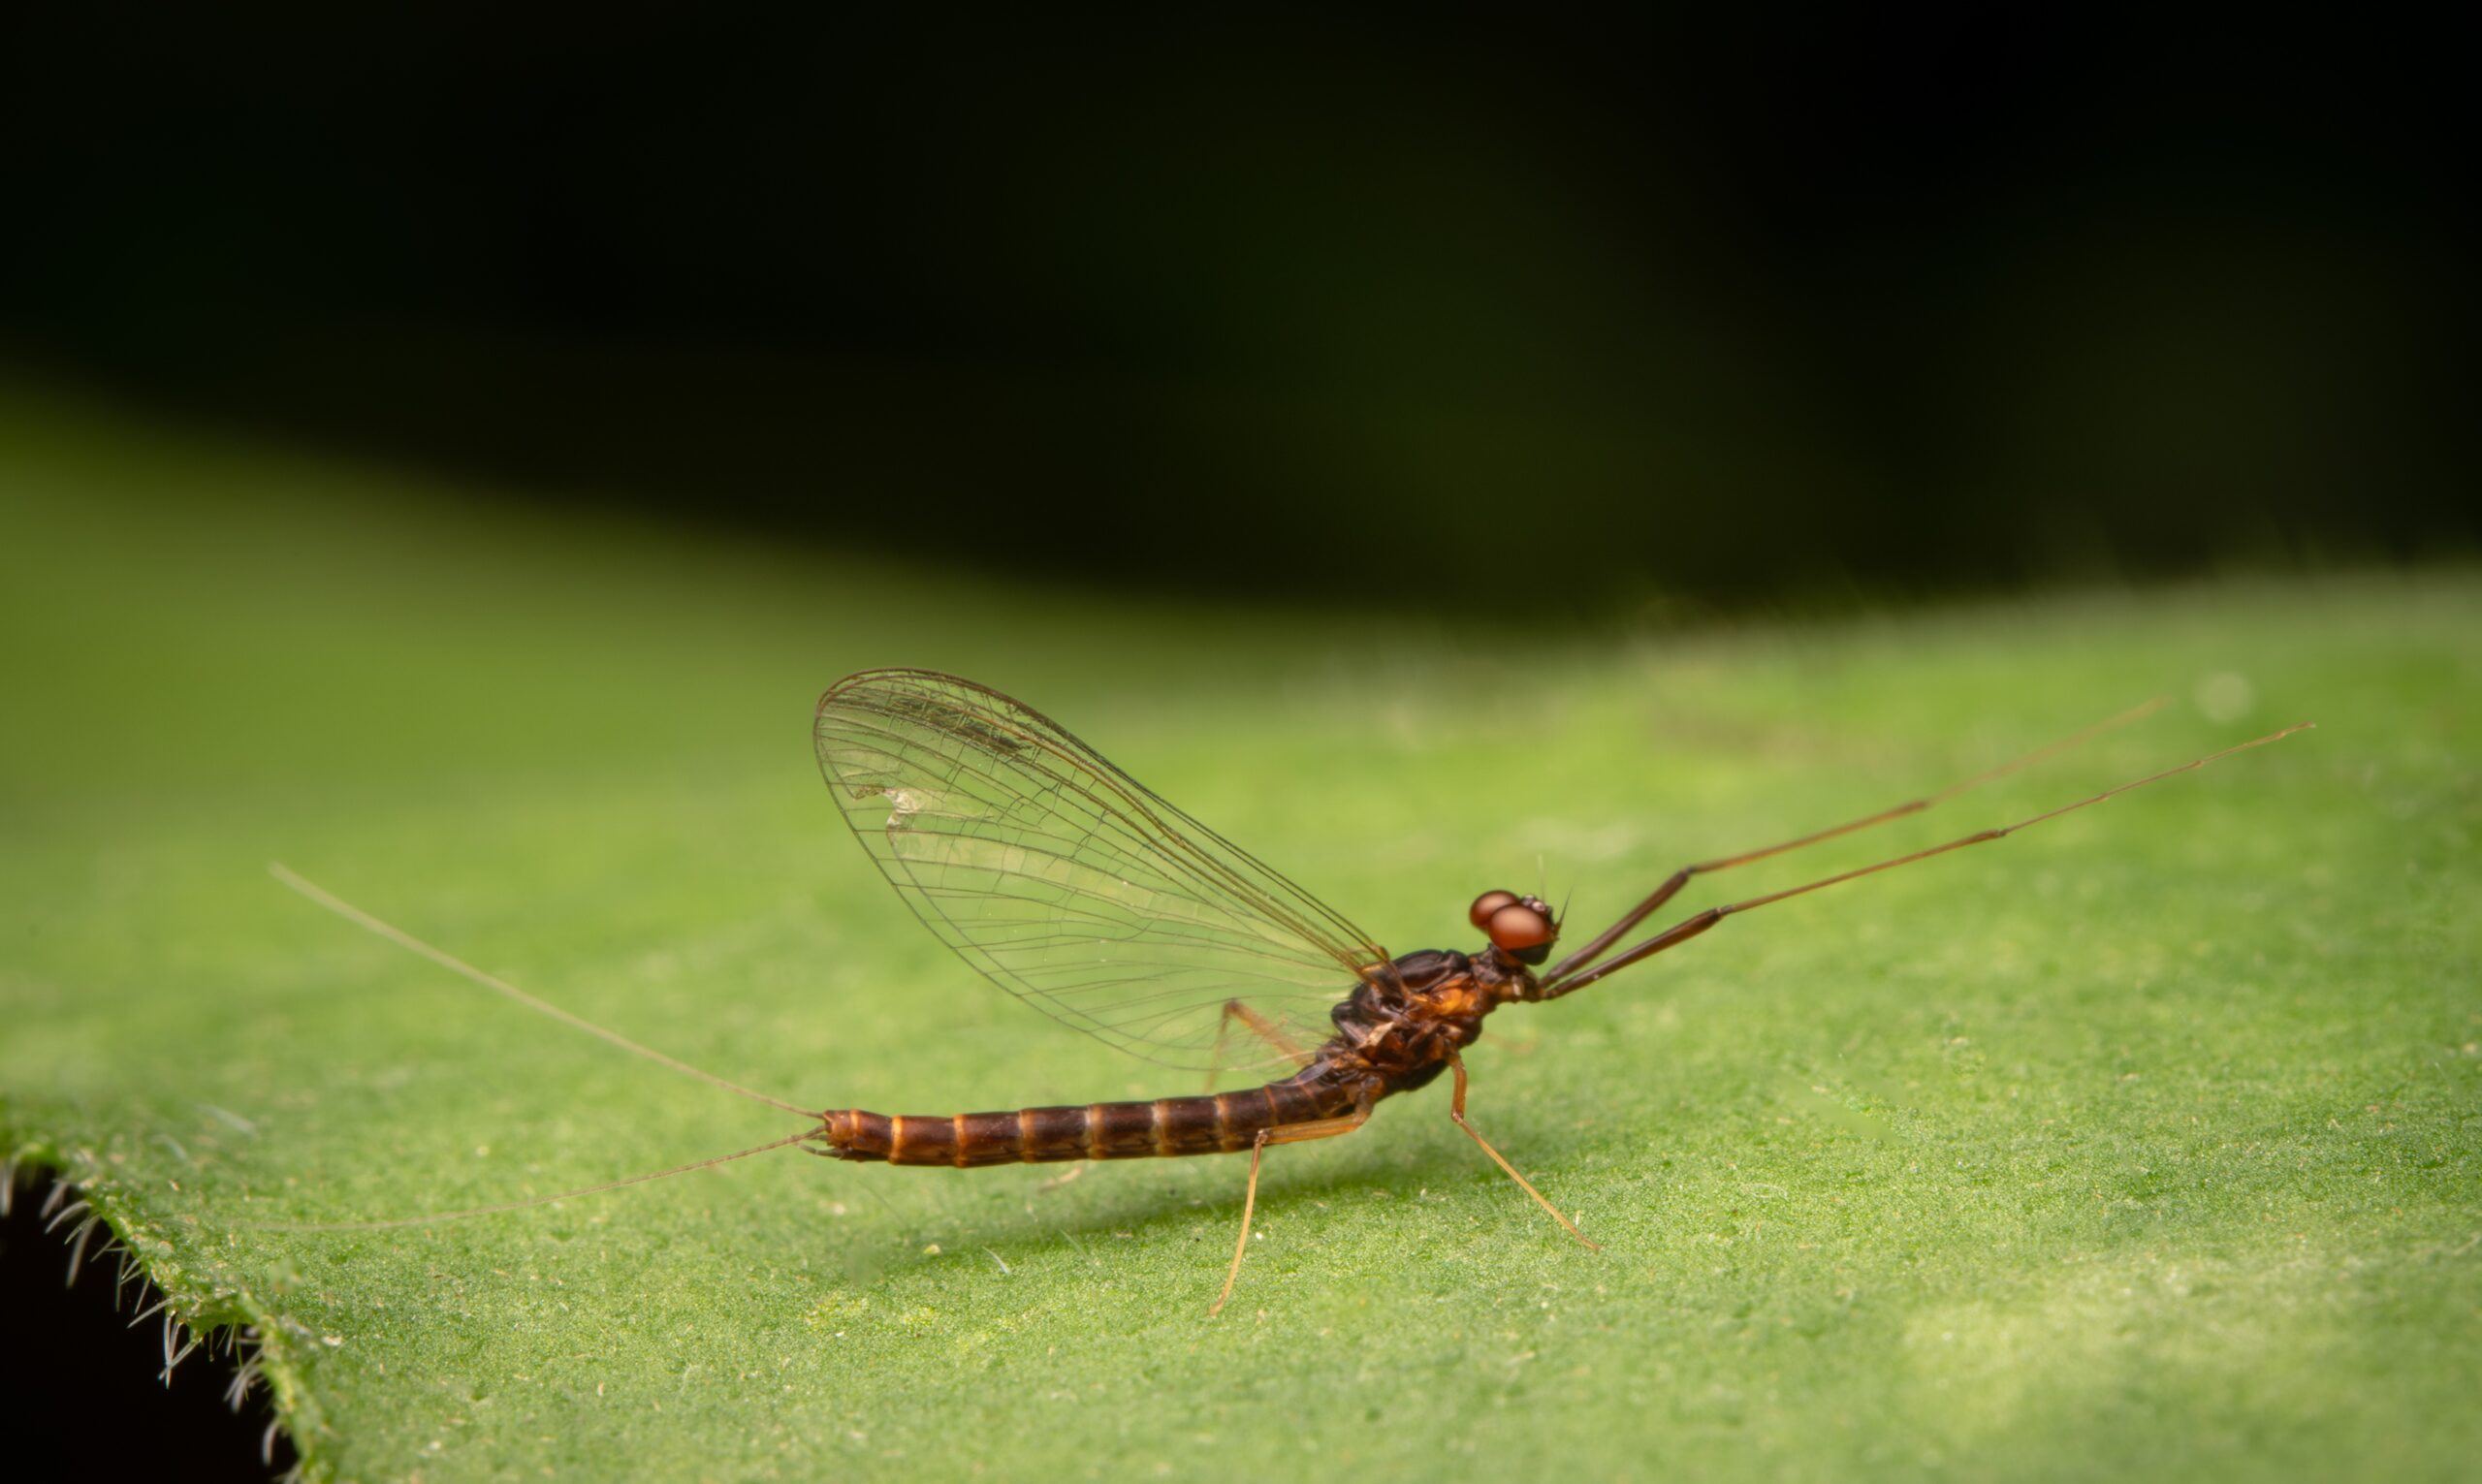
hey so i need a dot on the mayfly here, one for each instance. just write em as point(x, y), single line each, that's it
point(1074, 886)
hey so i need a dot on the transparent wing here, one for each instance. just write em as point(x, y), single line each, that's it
point(1070, 883)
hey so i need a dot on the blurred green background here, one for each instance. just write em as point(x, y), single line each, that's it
point(450, 453)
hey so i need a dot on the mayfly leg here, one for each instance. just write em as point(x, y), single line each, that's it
point(1456, 1111)
point(1602, 941)
point(1554, 986)
point(1258, 1025)
point(1291, 1133)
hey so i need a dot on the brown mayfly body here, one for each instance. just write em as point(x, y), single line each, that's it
point(1076, 888)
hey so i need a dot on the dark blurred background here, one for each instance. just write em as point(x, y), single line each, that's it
point(1677, 314)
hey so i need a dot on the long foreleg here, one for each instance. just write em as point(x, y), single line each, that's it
point(1601, 944)
point(1562, 980)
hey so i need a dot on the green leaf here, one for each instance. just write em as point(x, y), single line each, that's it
point(2143, 1144)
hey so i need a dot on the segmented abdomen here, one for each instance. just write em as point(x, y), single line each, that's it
point(1222, 1124)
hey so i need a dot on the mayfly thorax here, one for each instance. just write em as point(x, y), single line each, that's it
point(1071, 885)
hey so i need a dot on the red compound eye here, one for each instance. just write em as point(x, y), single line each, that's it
point(1479, 913)
point(1519, 930)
